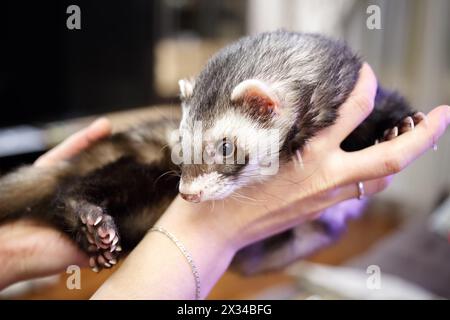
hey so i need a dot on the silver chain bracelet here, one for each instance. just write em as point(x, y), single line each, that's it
point(186, 254)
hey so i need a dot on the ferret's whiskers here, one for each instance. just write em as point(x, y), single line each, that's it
point(172, 172)
point(164, 147)
point(245, 197)
point(273, 196)
point(213, 204)
point(239, 200)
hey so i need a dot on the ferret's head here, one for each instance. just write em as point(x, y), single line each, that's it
point(229, 138)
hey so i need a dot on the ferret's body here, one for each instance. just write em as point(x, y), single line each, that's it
point(110, 195)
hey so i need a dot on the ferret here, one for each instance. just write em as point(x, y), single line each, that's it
point(107, 197)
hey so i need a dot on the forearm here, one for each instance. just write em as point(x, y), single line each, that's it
point(156, 269)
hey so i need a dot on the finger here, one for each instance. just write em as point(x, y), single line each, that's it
point(344, 193)
point(98, 129)
point(356, 108)
point(79, 141)
point(392, 156)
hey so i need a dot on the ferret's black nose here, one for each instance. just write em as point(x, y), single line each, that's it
point(192, 197)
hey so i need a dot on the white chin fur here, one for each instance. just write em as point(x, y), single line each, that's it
point(212, 185)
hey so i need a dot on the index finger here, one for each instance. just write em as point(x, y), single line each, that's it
point(77, 142)
point(392, 156)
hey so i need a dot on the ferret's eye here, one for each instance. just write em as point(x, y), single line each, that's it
point(225, 148)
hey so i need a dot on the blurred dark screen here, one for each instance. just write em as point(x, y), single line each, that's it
point(51, 73)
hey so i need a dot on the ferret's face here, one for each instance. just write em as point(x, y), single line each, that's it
point(222, 150)
point(217, 156)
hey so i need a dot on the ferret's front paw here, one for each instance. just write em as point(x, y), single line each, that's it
point(407, 124)
point(102, 235)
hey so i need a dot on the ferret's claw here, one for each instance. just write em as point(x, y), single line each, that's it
point(390, 134)
point(108, 255)
point(406, 125)
point(100, 231)
point(89, 214)
point(112, 234)
point(93, 264)
point(419, 117)
point(98, 220)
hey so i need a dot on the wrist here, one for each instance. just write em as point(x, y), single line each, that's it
point(208, 242)
point(200, 223)
point(172, 276)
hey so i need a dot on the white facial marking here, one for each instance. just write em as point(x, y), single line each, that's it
point(234, 125)
point(211, 185)
point(258, 143)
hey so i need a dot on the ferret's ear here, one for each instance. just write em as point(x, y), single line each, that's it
point(186, 88)
point(256, 94)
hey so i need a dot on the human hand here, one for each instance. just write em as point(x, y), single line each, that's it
point(329, 175)
point(213, 233)
point(29, 249)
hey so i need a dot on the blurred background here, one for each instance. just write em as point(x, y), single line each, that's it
point(129, 55)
